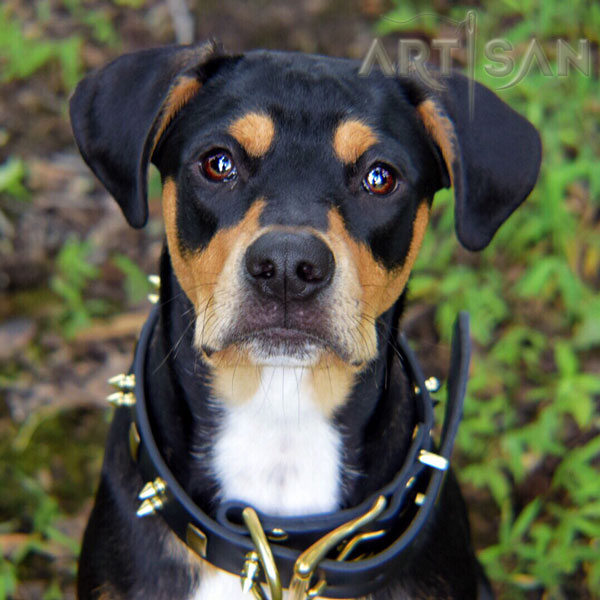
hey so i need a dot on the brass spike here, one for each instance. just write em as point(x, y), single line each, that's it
point(121, 399)
point(149, 506)
point(315, 592)
point(154, 280)
point(420, 499)
point(433, 460)
point(433, 385)
point(250, 572)
point(134, 441)
point(153, 488)
point(123, 381)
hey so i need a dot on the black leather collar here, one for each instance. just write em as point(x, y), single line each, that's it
point(410, 497)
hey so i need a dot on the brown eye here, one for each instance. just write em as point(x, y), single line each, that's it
point(219, 166)
point(379, 180)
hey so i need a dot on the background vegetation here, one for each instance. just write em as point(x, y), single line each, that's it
point(72, 279)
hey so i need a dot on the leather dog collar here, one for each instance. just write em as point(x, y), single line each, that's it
point(348, 553)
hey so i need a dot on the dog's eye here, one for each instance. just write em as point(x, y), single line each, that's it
point(219, 166)
point(380, 180)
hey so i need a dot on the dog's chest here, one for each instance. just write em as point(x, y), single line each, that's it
point(278, 452)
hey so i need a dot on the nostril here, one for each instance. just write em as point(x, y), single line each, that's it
point(308, 272)
point(262, 270)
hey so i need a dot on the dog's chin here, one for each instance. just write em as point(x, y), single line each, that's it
point(306, 356)
point(279, 347)
point(283, 348)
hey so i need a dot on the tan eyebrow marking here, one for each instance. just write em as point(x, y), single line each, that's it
point(351, 139)
point(254, 132)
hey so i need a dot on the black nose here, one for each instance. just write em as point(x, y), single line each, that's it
point(289, 266)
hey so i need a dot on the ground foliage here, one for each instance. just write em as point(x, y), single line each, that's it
point(72, 280)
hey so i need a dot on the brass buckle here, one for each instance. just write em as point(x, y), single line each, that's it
point(251, 571)
point(309, 560)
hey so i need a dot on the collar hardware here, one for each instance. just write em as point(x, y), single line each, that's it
point(196, 539)
point(121, 399)
point(434, 460)
point(153, 488)
point(150, 506)
point(309, 560)
point(250, 575)
point(265, 555)
point(134, 441)
point(123, 382)
point(294, 552)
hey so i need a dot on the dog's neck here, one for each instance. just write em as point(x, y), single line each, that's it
point(320, 462)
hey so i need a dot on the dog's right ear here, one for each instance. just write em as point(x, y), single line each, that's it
point(119, 113)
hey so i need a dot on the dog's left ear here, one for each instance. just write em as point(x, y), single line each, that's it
point(120, 112)
point(492, 155)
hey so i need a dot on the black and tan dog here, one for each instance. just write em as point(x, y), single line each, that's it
point(296, 195)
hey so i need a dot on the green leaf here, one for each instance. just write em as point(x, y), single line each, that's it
point(136, 281)
point(566, 359)
point(12, 175)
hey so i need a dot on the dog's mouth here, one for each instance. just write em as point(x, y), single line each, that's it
point(281, 346)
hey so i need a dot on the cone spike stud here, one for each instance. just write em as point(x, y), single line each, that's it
point(121, 399)
point(153, 488)
point(250, 572)
point(433, 460)
point(149, 507)
point(433, 385)
point(154, 281)
point(153, 298)
point(123, 381)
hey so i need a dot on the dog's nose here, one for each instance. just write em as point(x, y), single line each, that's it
point(289, 266)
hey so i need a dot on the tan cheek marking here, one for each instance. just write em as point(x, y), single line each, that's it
point(254, 132)
point(198, 272)
point(441, 129)
point(381, 287)
point(184, 89)
point(332, 381)
point(234, 378)
point(351, 139)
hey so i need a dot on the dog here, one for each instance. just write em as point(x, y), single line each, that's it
point(296, 195)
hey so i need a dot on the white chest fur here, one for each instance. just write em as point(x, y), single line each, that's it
point(279, 453)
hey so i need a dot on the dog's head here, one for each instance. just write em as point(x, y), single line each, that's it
point(296, 193)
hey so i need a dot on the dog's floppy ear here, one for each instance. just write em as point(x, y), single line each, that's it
point(119, 113)
point(492, 155)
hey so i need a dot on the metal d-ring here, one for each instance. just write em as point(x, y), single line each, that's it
point(265, 555)
point(309, 560)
